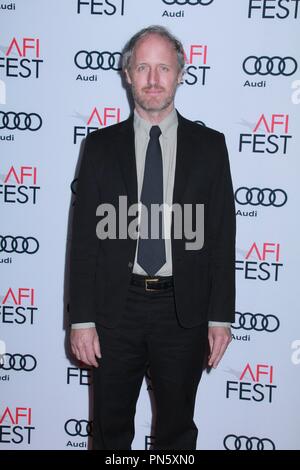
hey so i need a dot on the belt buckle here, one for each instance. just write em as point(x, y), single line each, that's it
point(148, 289)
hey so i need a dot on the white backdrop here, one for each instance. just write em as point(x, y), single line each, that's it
point(243, 79)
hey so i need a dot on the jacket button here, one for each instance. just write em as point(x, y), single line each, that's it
point(130, 264)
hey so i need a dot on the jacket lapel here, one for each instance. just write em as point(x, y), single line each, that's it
point(184, 158)
point(126, 158)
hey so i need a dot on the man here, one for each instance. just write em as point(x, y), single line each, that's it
point(138, 301)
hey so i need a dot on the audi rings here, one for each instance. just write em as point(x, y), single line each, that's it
point(82, 428)
point(256, 321)
point(275, 65)
point(98, 60)
point(18, 244)
point(21, 121)
point(233, 442)
point(188, 2)
point(17, 362)
point(260, 197)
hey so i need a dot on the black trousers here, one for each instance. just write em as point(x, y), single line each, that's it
point(148, 335)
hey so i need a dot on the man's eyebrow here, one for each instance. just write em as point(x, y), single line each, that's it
point(160, 63)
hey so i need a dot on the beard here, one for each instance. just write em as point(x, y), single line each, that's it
point(153, 103)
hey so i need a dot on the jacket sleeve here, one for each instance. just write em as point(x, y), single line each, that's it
point(222, 230)
point(84, 242)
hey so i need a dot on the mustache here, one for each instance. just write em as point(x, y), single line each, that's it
point(153, 87)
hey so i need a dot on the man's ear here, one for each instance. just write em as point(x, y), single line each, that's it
point(180, 77)
point(128, 79)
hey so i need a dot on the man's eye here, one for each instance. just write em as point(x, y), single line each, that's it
point(141, 68)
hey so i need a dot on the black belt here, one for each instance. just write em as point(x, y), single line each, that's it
point(152, 283)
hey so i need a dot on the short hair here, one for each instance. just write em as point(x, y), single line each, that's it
point(155, 29)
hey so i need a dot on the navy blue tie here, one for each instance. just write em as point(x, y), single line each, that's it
point(152, 251)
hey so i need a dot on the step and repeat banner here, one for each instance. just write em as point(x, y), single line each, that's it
point(59, 81)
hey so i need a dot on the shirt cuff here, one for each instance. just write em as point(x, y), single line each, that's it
point(219, 323)
point(79, 326)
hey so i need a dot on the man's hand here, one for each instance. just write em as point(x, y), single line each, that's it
point(85, 345)
point(218, 337)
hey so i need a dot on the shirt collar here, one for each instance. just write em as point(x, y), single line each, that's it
point(165, 125)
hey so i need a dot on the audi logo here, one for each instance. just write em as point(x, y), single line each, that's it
point(98, 60)
point(10, 244)
point(260, 197)
point(256, 321)
point(275, 65)
point(21, 121)
point(233, 442)
point(188, 2)
point(82, 428)
point(25, 362)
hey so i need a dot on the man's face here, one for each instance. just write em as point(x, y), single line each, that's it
point(154, 73)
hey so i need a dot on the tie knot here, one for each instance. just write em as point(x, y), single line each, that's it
point(155, 132)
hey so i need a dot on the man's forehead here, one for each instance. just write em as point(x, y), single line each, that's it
point(154, 39)
point(150, 42)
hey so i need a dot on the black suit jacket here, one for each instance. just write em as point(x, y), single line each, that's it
point(204, 280)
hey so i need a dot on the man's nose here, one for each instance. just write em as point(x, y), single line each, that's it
point(153, 77)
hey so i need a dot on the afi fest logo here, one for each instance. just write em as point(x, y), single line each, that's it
point(22, 58)
point(19, 185)
point(255, 383)
point(105, 8)
point(269, 136)
point(273, 9)
point(16, 425)
point(98, 117)
point(196, 65)
point(79, 376)
point(18, 306)
point(261, 262)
